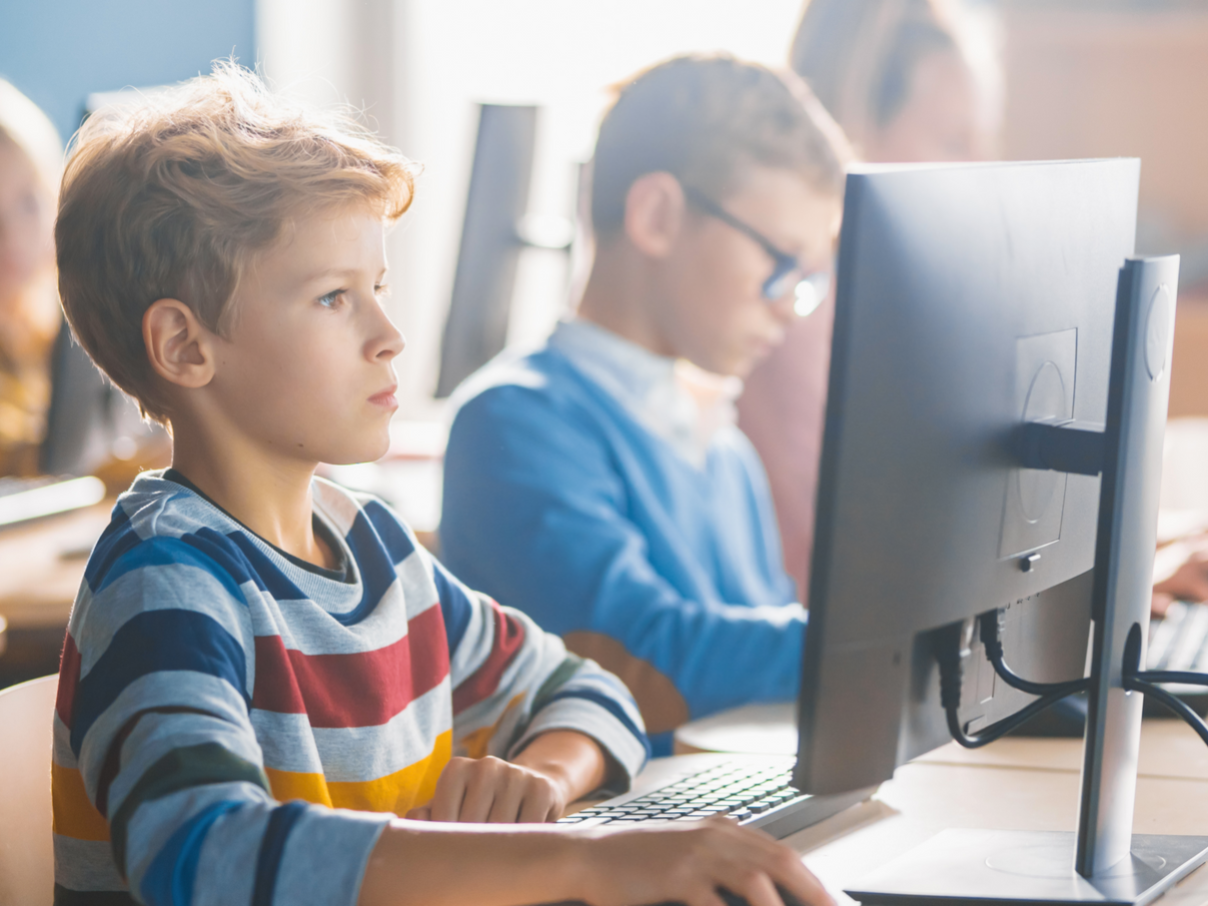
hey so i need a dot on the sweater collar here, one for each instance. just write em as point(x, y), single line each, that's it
point(673, 399)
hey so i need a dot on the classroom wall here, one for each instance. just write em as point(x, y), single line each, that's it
point(60, 51)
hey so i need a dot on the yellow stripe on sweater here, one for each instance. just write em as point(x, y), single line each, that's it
point(398, 792)
point(74, 815)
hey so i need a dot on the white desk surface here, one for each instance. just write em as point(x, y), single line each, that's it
point(1016, 783)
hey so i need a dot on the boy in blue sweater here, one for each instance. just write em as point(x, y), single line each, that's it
point(600, 484)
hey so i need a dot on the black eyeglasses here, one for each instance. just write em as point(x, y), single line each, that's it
point(810, 288)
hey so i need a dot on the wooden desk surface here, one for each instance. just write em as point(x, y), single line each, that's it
point(926, 798)
point(44, 564)
point(1016, 783)
point(1169, 748)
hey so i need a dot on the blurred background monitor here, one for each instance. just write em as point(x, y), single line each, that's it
point(495, 231)
point(477, 325)
point(89, 421)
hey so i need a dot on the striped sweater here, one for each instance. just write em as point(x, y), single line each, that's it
point(236, 726)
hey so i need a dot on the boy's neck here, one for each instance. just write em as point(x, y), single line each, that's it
point(620, 297)
point(270, 495)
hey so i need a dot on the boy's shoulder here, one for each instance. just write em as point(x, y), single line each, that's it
point(162, 522)
point(519, 387)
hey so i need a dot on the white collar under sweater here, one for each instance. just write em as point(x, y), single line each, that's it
point(672, 398)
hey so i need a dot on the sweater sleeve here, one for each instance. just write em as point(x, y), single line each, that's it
point(153, 723)
point(512, 681)
point(536, 514)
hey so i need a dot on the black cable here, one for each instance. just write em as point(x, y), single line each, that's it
point(988, 624)
point(1001, 728)
point(1185, 677)
point(947, 653)
point(1180, 708)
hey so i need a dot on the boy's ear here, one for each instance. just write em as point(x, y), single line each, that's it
point(179, 346)
point(654, 213)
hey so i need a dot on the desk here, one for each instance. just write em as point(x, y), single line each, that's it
point(43, 565)
point(1016, 783)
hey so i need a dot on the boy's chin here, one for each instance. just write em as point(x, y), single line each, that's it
point(352, 454)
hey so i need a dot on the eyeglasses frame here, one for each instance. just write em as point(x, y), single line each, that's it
point(785, 264)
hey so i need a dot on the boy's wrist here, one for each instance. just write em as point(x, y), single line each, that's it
point(574, 762)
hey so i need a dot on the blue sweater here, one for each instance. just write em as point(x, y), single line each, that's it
point(559, 502)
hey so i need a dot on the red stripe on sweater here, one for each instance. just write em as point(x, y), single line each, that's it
point(509, 638)
point(69, 679)
point(352, 690)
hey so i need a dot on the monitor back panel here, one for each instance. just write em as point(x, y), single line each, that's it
point(970, 298)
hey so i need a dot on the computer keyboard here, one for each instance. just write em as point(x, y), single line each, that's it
point(1179, 640)
point(11, 484)
point(741, 792)
point(25, 499)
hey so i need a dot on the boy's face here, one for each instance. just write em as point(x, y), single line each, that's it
point(305, 370)
point(714, 313)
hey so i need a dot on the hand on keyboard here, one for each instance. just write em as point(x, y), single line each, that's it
point(730, 899)
point(705, 863)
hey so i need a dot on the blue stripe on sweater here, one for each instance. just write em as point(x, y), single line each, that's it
point(377, 543)
point(611, 705)
point(239, 554)
point(165, 551)
point(268, 863)
point(169, 878)
point(388, 530)
point(455, 607)
point(151, 642)
point(118, 538)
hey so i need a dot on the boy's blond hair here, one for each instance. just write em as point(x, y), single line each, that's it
point(173, 196)
point(705, 118)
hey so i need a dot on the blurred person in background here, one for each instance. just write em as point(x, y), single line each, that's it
point(600, 484)
point(30, 166)
point(899, 77)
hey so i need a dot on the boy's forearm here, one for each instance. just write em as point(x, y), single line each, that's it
point(438, 864)
point(574, 760)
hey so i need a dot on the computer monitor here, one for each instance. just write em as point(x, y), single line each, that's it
point(477, 324)
point(89, 421)
point(974, 300)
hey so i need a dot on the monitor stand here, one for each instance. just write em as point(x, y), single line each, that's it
point(1102, 862)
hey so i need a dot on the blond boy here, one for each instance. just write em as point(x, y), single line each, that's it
point(263, 671)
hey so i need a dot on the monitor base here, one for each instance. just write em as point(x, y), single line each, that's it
point(958, 867)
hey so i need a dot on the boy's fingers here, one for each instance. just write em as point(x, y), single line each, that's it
point(446, 802)
point(481, 791)
point(510, 793)
point(421, 813)
point(790, 872)
point(704, 896)
point(537, 806)
point(758, 890)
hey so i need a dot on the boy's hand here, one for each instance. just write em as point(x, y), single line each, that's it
point(688, 862)
point(554, 769)
point(495, 791)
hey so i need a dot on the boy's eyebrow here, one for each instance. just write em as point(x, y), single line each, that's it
point(316, 276)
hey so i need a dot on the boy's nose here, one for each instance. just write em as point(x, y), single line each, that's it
point(388, 342)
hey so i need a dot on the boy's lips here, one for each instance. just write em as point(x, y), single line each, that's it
point(385, 397)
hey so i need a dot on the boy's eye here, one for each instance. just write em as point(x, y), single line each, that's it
point(381, 290)
point(332, 299)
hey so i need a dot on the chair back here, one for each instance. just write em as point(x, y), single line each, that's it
point(26, 851)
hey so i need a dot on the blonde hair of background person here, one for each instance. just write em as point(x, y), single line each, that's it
point(907, 80)
point(31, 160)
